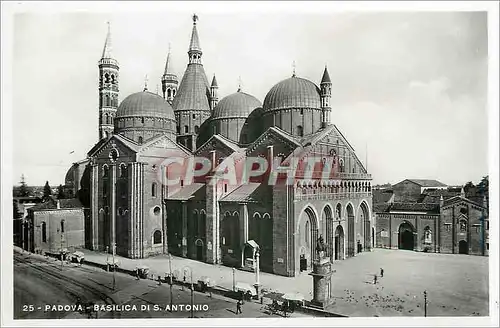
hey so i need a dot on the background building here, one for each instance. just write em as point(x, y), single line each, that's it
point(436, 218)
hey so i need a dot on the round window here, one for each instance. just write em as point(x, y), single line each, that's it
point(157, 210)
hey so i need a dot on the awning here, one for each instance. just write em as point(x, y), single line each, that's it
point(294, 296)
point(252, 243)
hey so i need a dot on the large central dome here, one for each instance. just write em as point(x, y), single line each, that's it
point(144, 115)
point(145, 104)
point(294, 92)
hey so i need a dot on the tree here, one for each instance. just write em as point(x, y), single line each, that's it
point(16, 214)
point(47, 191)
point(60, 192)
point(22, 190)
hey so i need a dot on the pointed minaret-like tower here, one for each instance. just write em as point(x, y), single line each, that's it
point(326, 95)
point(214, 97)
point(108, 89)
point(169, 81)
point(192, 102)
point(194, 51)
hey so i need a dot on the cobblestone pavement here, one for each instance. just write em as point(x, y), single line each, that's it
point(457, 285)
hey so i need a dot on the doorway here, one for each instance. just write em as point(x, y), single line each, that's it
point(199, 249)
point(463, 247)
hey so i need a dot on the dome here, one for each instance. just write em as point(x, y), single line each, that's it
point(236, 105)
point(145, 104)
point(294, 92)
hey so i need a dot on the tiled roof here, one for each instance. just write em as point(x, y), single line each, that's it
point(380, 208)
point(460, 198)
point(51, 204)
point(244, 193)
point(381, 196)
point(186, 192)
point(193, 90)
point(427, 183)
point(434, 196)
point(417, 207)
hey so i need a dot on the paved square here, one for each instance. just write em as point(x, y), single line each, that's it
point(457, 285)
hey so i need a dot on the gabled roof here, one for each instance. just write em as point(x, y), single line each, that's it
point(276, 131)
point(426, 182)
point(244, 193)
point(231, 145)
point(381, 196)
point(407, 207)
point(455, 199)
point(187, 192)
point(51, 204)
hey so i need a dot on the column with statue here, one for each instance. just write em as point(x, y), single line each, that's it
point(322, 272)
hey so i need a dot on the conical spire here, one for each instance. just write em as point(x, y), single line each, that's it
point(194, 45)
point(168, 65)
point(326, 76)
point(214, 83)
point(107, 51)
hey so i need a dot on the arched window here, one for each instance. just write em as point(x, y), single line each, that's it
point(123, 171)
point(113, 81)
point(341, 164)
point(108, 101)
point(157, 210)
point(178, 129)
point(107, 134)
point(105, 171)
point(111, 119)
point(139, 139)
point(44, 232)
point(300, 131)
point(169, 92)
point(186, 129)
point(196, 129)
point(173, 93)
point(62, 226)
point(307, 232)
point(157, 237)
point(106, 118)
point(106, 78)
point(153, 189)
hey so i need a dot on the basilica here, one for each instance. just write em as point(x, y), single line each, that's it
point(132, 211)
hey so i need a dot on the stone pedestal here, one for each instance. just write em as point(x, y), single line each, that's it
point(322, 272)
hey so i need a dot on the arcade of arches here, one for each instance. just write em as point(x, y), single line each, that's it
point(331, 226)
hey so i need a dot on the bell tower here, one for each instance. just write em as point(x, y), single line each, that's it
point(169, 81)
point(326, 95)
point(108, 89)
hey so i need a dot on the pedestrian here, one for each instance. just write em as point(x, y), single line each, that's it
point(374, 279)
point(137, 274)
point(159, 280)
point(238, 307)
point(381, 272)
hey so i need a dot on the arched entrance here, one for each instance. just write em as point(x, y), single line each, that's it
point(406, 237)
point(327, 231)
point(463, 247)
point(339, 243)
point(364, 217)
point(350, 231)
point(308, 234)
point(199, 249)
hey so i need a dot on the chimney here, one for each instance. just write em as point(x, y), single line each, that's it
point(441, 201)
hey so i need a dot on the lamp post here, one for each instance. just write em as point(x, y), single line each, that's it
point(192, 288)
point(114, 250)
point(61, 251)
point(234, 282)
point(425, 303)
point(171, 279)
point(257, 273)
point(107, 258)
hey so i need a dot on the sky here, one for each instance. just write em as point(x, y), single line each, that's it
point(409, 88)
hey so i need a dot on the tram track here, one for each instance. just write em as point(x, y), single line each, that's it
point(73, 287)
